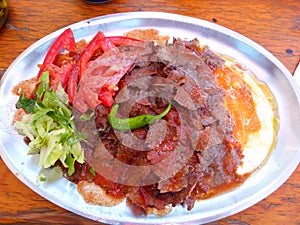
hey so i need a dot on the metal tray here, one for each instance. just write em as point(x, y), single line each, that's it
point(262, 183)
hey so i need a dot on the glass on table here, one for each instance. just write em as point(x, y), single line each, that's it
point(3, 11)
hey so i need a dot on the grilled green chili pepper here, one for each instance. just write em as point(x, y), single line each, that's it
point(133, 122)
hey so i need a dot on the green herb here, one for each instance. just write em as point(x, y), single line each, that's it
point(133, 122)
point(92, 171)
point(43, 177)
point(86, 117)
point(27, 104)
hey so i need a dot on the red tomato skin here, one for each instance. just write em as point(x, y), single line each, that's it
point(65, 40)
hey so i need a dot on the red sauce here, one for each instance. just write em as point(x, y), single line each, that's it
point(240, 103)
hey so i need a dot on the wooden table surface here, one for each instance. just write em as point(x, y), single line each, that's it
point(273, 24)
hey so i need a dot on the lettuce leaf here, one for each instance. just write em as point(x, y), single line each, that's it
point(49, 126)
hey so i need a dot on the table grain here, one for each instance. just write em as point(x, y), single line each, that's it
point(274, 24)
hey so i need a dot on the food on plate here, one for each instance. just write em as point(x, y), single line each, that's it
point(146, 119)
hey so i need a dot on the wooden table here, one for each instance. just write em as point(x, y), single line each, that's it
point(273, 24)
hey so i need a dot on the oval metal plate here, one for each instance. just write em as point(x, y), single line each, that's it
point(262, 183)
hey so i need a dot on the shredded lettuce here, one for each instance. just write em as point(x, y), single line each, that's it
point(50, 127)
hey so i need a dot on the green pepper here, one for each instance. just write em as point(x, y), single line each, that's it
point(133, 122)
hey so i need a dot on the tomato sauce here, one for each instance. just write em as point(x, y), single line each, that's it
point(239, 101)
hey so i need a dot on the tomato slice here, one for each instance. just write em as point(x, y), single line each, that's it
point(110, 88)
point(65, 40)
point(106, 96)
point(70, 71)
point(88, 52)
point(102, 77)
point(104, 43)
point(73, 83)
point(123, 40)
point(60, 74)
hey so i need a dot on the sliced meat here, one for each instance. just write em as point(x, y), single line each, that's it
point(156, 134)
point(188, 154)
